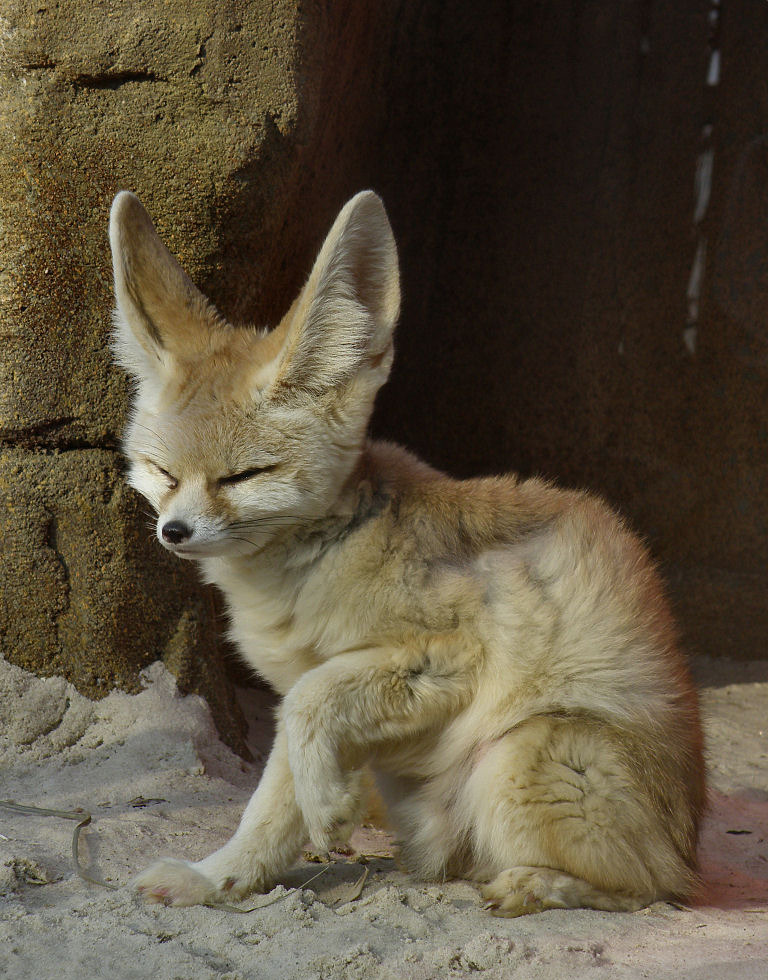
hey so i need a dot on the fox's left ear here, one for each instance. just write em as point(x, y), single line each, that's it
point(160, 314)
point(342, 321)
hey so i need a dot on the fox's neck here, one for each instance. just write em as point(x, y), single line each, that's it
point(290, 556)
point(274, 597)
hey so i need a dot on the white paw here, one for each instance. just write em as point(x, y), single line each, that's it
point(175, 882)
point(330, 816)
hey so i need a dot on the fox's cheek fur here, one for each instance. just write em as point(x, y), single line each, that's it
point(195, 520)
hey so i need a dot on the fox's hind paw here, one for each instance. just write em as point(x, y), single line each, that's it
point(173, 882)
point(523, 890)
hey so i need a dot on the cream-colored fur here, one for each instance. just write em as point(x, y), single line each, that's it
point(497, 651)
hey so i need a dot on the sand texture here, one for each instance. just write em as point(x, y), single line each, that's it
point(151, 770)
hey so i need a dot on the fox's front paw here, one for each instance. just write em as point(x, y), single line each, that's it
point(332, 815)
point(175, 882)
point(331, 829)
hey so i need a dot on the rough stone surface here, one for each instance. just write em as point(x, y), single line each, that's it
point(86, 593)
point(226, 119)
point(172, 100)
point(538, 166)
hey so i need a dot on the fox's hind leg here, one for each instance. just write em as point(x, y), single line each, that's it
point(570, 812)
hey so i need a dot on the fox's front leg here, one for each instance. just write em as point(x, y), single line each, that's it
point(266, 843)
point(338, 713)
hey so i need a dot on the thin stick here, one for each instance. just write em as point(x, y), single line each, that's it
point(83, 820)
point(226, 907)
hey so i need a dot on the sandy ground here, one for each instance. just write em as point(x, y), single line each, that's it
point(157, 780)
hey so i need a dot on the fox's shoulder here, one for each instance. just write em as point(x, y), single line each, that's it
point(425, 507)
point(424, 528)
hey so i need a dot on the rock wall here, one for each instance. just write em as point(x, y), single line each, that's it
point(228, 119)
point(539, 164)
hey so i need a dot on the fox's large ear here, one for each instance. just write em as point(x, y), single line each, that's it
point(159, 313)
point(343, 319)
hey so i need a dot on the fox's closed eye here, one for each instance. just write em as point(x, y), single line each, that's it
point(171, 480)
point(246, 474)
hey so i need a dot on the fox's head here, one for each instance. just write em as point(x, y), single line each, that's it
point(236, 432)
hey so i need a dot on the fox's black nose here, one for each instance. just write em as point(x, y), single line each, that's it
point(174, 532)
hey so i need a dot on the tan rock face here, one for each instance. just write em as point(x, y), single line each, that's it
point(179, 102)
point(171, 100)
point(228, 119)
point(86, 592)
point(539, 173)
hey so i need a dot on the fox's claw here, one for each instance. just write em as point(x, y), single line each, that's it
point(173, 882)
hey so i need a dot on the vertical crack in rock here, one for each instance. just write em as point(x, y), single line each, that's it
point(52, 542)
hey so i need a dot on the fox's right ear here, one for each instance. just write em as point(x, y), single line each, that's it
point(160, 314)
point(340, 326)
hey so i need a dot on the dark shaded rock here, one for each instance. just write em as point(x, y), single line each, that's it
point(87, 594)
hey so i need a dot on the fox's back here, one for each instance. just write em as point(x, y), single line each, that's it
point(559, 602)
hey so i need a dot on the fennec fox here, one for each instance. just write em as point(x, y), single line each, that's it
point(497, 651)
